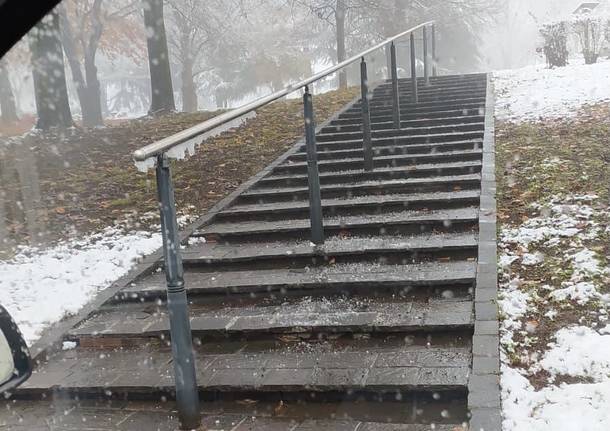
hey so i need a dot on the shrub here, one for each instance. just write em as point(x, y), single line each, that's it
point(591, 32)
point(555, 43)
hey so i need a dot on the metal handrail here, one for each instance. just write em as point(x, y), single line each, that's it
point(187, 396)
point(166, 144)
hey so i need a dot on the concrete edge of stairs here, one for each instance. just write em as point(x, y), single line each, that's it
point(484, 398)
point(52, 337)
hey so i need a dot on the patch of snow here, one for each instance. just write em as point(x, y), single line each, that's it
point(581, 292)
point(557, 408)
point(585, 261)
point(536, 92)
point(68, 345)
point(579, 352)
point(530, 259)
point(41, 287)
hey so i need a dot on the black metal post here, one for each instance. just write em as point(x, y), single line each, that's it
point(315, 198)
point(395, 97)
point(426, 57)
point(414, 95)
point(434, 71)
point(367, 142)
point(187, 396)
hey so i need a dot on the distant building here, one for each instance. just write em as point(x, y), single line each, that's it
point(586, 8)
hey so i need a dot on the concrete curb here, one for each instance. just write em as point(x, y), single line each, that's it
point(484, 400)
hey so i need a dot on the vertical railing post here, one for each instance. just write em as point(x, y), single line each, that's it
point(367, 142)
point(434, 70)
point(315, 198)
point(395, 97)
point(426, 57)
point(414, 94)
point(187, 396)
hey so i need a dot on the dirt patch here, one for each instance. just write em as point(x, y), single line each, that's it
point(74, 182)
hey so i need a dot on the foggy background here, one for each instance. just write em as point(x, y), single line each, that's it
point(235, 51)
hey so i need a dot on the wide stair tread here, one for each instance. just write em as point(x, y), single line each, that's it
point(384, 363)
point(217, 253)
point(256, 316)
point(380, 200)
point(345, 222)
point(262, 192)
point(350, 275)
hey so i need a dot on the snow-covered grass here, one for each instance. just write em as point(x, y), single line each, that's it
point(565, 287)
point(41, 287)
point(536, 92)
point(554, 247)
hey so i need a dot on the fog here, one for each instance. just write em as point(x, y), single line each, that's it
point(227, 53)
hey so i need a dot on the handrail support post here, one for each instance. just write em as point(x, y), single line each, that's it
point(187, 395)
point(367, 142)
point(313, 175)
point(395, 96)
point(426, 57)
point(414, 94)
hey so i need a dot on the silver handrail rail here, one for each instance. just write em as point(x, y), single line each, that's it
point(170, 142)
point(187, 395)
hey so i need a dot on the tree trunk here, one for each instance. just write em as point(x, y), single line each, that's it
point(49, 76)
point(162, 93)
point(93, 99)
point(341, 54)
point(7, 98)
point(189, 91)
point(87, 87)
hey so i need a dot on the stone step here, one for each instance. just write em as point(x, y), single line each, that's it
point(376, 364)
point(404, 97)
point(307, 316)
point(381, 161)
point(392, 223)
point(409, 185)
point(386, 122)
point(383, 114)
point(425, 122)
point(367, 204)
point(458, 274)
point(398, 133)
point(402, 140)
point(438, 86)
point(423, 106)
point(218, 254)
point(392, 150)
point(401, 172)
point(445, 410)
point(386, 91)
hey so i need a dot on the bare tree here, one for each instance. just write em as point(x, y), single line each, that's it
point(48, 74)
point(84, 25)
point(88, 20)
point(337, 13)
point(7, 98)
point(162, 92)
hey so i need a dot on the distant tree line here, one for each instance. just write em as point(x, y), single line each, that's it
point(225, 48)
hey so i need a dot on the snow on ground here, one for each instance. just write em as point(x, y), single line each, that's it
point(40, 287)
point(536, 92)
point(568, 407)
point(557, 237)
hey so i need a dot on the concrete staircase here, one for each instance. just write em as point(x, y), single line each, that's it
point(372, 331)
